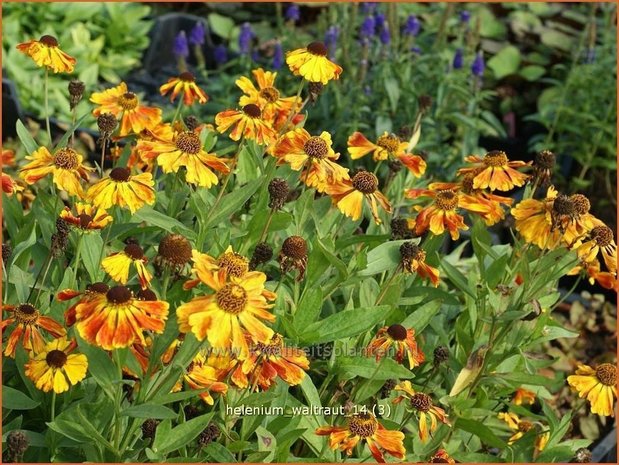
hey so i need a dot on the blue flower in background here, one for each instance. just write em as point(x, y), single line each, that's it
point(385, 36)
point(368, 7)
point(245, 37)
point(415, 49)
point(380, 21)
point(412, 26)
point(180, 47)
point(478, 66)
point(331, 37)
point(293, 13)
point(465, 16)
point(458, 60)
point(278, 56)
point(197, 34)
point(368, 27)
point(220, 54)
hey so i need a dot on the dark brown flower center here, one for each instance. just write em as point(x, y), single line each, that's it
point(175, 249)
point(602, 235)
point(545, 160)
point(119, 295)
point(468, 182)
point(397, 332)
point(496, 158)
point(232, 298)
point(316, 147)
point(446, 200)
point(274, 347)
point(363, 425)
point(235, 264)
point(563, 205)
point(389, 142)
point(98, 288)
point(146, 294)
point(295, 247)
point(270, 94)
point(26, 314)
point(524, 426)
point(421, 401)
point(317, 48)
point(187, 77)
point(251, 110)
point(128, 101)
point(66, 159)
point(365, 182)
point(607, 374)
point(188, 142)
point(134, 251)
point(581, 204)
point(120, 174)
point(85, 220)
point(56, 358)
point(50, 41)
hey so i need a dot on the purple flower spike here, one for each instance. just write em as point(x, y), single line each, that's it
point(220, 54)
point(181, 47)
point(458, 60)
point(478, 66)
point(412, 26)
point(278, 56)
point(245, 37)
point(197, 33)
point(293, 13)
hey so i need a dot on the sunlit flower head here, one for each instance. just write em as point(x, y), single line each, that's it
point(118, 319)
point(521, 427)
point(206, 267)
point(523, 396)
point(599, 241)
point(92, 291)
point(185, 83)
point(248, 123)
point(441, 456)
point(123, 189)
point(267, 97)
point(312, 63)
point(174, 252)
point(598, 386)
point(365, 427)
point(118, 101)
point(349, 195)
point(495, 172)
point(46, 52)
point(200, 375)
point(86, 217)
point(183, 149)
point(312, 155)
point(388, 146)
point(56, 368)
point(28, 322)
point(413, 259)
point(423, 407)
point(65, 165)
point(267, 361)
point(118, 264)
point(238, 303)
point(401, 340)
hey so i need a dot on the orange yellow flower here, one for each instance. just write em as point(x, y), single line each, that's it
point(387, 146)
point(185, 83)
point(206, 267)
point(598, 386)
point(523, 396)
point(599, 241)
point(201, 375)
point(117, 265)
point(92, 291)
point(274, 107)
point(495, 171)
point(521, 427)
point(534, 223)
point(86, 217)
point(402, 340)
point(237, 303)
point(313, 155)
point(267, 361)
point(174, 150)
point(423, 407)
point(441, 456)
point(413, 259)
point(365, 427)
point(56, 368)
point(28, 321)
point(348, 195)
point(312, 63)
point(46, 52)
point(9, 186)
point(118, 101)
point(123, 189)
point(117, 319)
point(248, 123)
point(65, 166)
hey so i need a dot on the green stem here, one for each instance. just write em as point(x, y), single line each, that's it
point(78, 252)
point(178, 109)
point(386, 285)
point(53, 412)
point(47, 267)
point(103, 142)
point(117, 402)
point(164, 284)
point(46, 91)
point(266, 226)
point(107, 237)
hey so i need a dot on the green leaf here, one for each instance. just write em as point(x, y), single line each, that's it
point(149, 411)
point(221, 25)
point(100, 366)
point(26, 139)
point(219, 453)
point(91, 251)
point(480, 430)
point(393, 92)
point(345, 324)
point(505, 62)
point(65, 138)
point(382, 258)
point(266, 442)
point(155, 218)
point(13, 399)
point(532, 72)
point(183, 433)
point(231, 202)
point(309, 308)
point(420, 318)
point(366, 367)
point(457, 278)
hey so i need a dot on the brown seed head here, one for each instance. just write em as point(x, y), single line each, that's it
point(365, 182)
point(66, 158)
point(56, 358)
point(120, 174)
point(295, 247)
point(175, 249)
point(119, 295)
